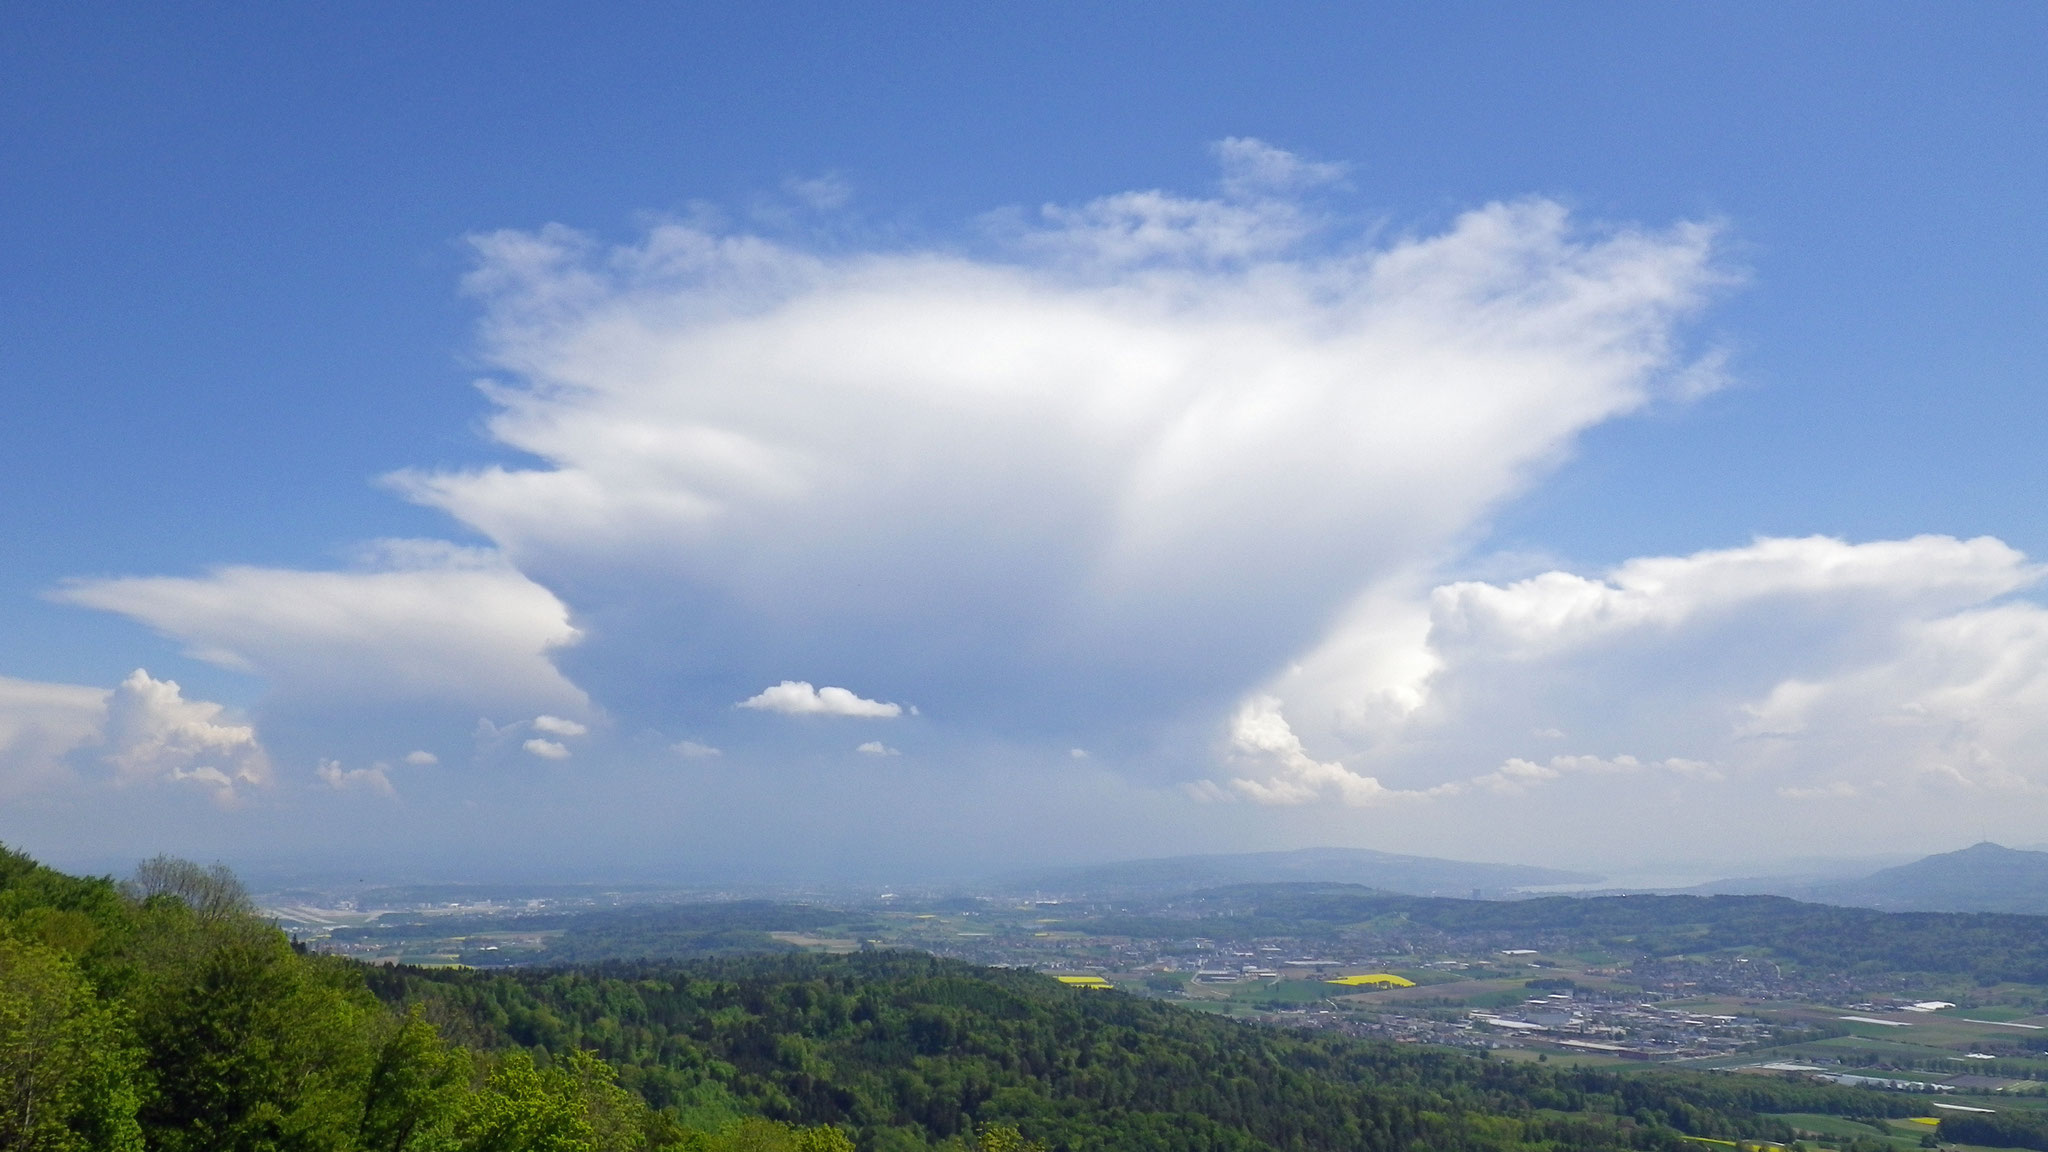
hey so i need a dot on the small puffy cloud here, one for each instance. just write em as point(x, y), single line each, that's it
point(556, 726)
point(154, 733)
point(693, 750)
point(798, 698)
point(374, 779)
point(416, 620)
point(421, 758)
point(877, 748)
point(547, 749)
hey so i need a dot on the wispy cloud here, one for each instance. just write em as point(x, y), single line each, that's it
point(415, 621)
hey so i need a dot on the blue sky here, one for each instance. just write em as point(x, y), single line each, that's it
point(237, 241)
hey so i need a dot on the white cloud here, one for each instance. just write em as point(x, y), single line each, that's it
point(547, 749)
point(421, 758)
point(1908, 674)
point(1260, 734)
point(556, 726)
point(1254, 168)
point(1957, 702)
point(1558, 609)
point(798, 698)
point(1285, 773)
point(877, 748)
point(419, 620)
point(373, 779)
point(154, 733)
point(693, 750)
point(1136, 459)
point(144, 729)
point(41, 724)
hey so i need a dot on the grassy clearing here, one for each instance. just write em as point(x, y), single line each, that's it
point(1843, 1128)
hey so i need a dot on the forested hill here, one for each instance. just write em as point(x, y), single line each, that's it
point(161, 1015)
point(1989, 946)
point(907, 1050)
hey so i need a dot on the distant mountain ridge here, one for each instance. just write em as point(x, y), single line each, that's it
point(1984, 877)
point(1387, 871)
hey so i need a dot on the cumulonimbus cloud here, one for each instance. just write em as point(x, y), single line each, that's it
point(1097, 475)
point(1117, 467)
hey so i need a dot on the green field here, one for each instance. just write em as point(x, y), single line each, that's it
point(1841, 1128)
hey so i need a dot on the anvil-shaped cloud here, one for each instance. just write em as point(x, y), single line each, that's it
point(1111, 476)
point(1090, 482)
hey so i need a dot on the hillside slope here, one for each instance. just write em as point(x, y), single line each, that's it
point(908, 1051)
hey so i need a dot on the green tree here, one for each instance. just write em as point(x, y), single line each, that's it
point(250, 1046)
point(620, 1121)
point(415, 1088)
point(66, 1069)
point(1003, 1138)
point(756, 1134)
point(525, 1109)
